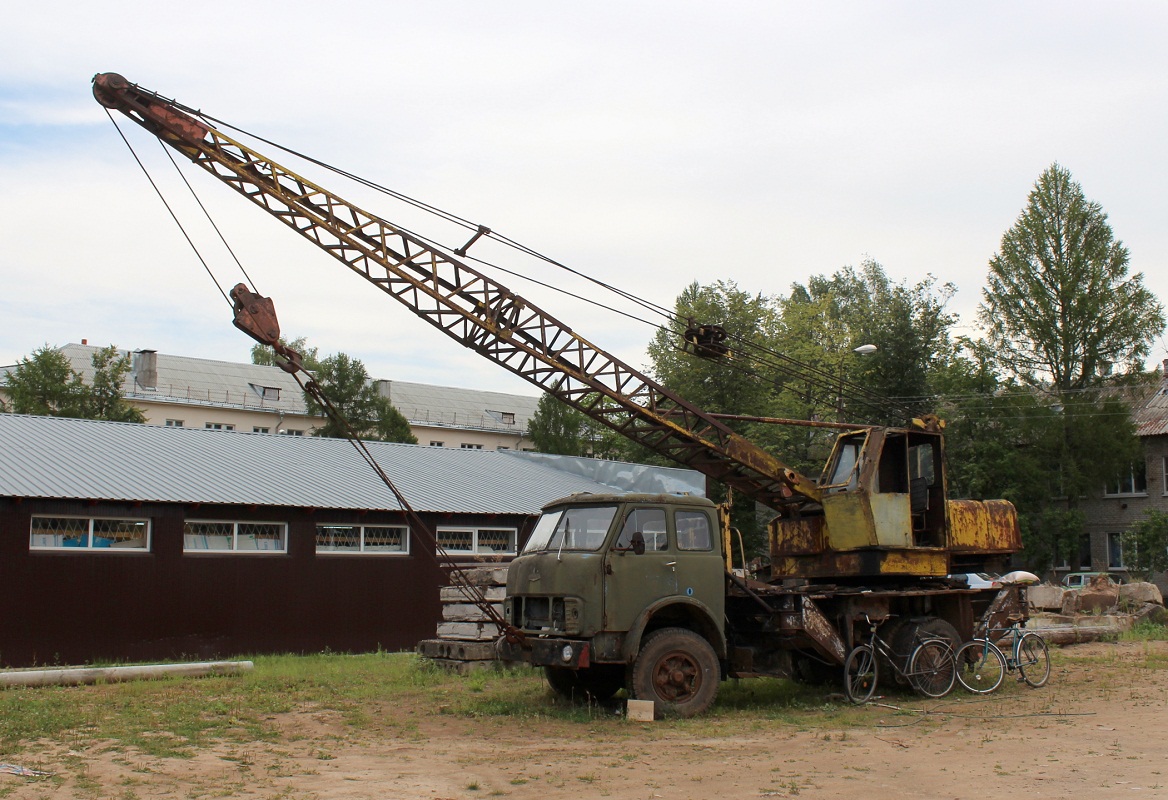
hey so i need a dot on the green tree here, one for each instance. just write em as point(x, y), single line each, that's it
point(105, 399)
point(1060, 309)
point(558, 428)
point(345, 382)
point(1145, 545)
point(45, 383)
point(309, 356)
point(1065, 322)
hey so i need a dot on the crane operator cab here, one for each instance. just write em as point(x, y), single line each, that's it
point(883, 510)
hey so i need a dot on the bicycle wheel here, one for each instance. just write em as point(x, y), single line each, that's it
point(931, 669)
point(981, 667)
point(1033, 660)
point(860, 674)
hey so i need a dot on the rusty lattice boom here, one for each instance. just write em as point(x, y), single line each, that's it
point(471, 308)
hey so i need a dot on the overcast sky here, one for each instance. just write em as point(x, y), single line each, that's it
point(648, 144)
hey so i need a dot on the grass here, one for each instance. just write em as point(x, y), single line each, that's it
point(370, 697)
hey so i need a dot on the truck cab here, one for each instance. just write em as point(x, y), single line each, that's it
point(603, 575)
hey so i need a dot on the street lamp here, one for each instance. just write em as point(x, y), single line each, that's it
point(862, 350)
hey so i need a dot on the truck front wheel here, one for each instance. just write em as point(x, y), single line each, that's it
point(678, 670)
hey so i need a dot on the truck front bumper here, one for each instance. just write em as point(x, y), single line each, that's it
point(570, 653)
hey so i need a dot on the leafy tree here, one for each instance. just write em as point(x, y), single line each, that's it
point(309, 356)
point(1145, 545)
point(824, 321)
point(1060, 309)
point(558, 428)
point(45, 383)
point(105, 399)
point(345, 382)
point(1060, 312)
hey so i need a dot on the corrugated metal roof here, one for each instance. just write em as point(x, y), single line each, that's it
point(51, 457)
point(1151, 417)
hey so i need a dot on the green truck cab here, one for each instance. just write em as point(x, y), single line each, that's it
point(623, 590)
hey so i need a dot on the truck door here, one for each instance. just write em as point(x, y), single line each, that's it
point(632, 581)
point(700, 568)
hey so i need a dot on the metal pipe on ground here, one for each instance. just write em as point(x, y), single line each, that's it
point(72, 676)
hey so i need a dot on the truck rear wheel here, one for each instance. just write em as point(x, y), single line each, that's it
point(678, 671)
point(597, 683)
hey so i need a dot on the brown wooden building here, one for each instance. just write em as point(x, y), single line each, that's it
point(136, 542)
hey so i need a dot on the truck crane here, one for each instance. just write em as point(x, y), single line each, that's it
point(638, 591)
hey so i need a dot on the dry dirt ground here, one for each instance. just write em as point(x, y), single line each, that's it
point(1099, 729)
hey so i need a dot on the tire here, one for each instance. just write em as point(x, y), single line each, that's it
point(678, 670)
point(1034, 660)
point(596, 684)
point(905, 638)
point(931, 670)
point(860, 674)
point(981, 667)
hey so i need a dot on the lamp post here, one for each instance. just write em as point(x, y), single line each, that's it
point(862, 350)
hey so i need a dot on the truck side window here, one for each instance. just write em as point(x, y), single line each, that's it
point(693, 531)
point(651, 523)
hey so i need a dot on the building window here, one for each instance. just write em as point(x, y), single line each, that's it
point(260, 429)
point(266, 392)
point(219, 426)
point(481, 541)
point(1114, 551)
point(434, 443)
point(362, 539)
point(292, 432)
point(91, 533)
point(1133, 481)
point(468, 446)
point(502, 447)
point(174, 423)
point(243, 537)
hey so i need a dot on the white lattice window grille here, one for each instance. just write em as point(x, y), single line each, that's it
point(362, 539)
point(483, 541)
point(89, 533)
point(201, 536)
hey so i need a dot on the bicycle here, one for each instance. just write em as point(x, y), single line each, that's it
point(982, 666)
point(931, 667)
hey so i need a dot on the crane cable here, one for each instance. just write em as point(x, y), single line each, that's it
point(827, 381)
point(310, 387)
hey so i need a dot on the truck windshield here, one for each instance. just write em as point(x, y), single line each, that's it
point(578, 528)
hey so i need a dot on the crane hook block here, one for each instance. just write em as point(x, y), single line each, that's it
point(707, 341)
point(256, 315)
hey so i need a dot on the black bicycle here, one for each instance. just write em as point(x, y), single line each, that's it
point(930, 668)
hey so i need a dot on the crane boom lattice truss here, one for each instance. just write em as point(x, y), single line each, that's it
point(470, 307)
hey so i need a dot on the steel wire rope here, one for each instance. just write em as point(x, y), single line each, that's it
point(826, 380)
point(173, 216)
point(470, 590)
point(206, 213)
point(445, 215)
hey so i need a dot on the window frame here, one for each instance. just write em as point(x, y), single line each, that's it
point(89, 545)
point(361, 544)
point(1118, 483)
point(234, 549)
point(513, 536)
